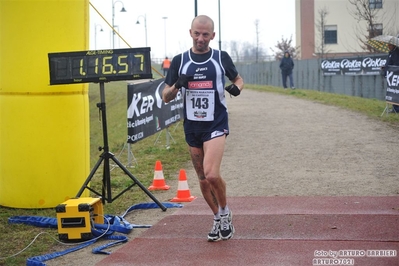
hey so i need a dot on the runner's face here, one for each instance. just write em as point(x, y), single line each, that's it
point(202, 34)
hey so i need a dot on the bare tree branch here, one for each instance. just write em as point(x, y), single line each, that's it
point(282, 46)
point(362, 10)
point(320, 25)
point(257, 40)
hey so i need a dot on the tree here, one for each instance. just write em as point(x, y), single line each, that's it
point(257, 40)
point(282, 46)
point(321, 22)
point(367, 11)
point(235, 51)
point(248, 52)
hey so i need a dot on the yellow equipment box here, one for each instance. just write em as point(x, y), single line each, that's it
point(75, 218)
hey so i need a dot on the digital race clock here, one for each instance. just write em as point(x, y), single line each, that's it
point(100, 65)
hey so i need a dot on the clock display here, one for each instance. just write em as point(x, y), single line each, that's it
point(100, 65)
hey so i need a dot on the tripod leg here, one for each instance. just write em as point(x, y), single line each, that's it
point(386, 110)
point(106, 188)
point(139, 184)
point(169, 136)
point(160, 132)
point(88, 179)
point(106, 156)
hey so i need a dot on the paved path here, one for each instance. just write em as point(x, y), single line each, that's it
point(303, 179)
point(278, 231)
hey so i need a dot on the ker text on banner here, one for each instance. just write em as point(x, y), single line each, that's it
point(364, 65)
point(147, 114)
point(392, 78)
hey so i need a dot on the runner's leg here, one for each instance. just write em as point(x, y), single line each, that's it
point(197, 158)
point(213, 153)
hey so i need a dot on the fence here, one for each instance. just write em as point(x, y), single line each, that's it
point(308, 75)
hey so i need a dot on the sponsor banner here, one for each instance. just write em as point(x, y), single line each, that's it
point(372, 64)
point(147, 113)
point(331, 67)
point(392, 78)
point(351, 66)
point(366, 65)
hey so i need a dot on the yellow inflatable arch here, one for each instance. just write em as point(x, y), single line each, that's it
point(44, 130)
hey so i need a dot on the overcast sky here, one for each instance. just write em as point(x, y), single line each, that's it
point(276, 20)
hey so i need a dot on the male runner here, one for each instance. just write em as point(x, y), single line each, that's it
point(199, 74)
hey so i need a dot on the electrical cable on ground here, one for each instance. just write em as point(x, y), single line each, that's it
point(99, 231)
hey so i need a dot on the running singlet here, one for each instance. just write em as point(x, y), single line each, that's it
point(204, 99)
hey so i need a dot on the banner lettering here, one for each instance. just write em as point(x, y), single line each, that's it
point(147, 114)
point(392, 78)
point(366, 65)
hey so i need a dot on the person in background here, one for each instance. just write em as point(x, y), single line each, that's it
point(392, 60)
point(198, 75)
point(286, 66)
point(165, 65)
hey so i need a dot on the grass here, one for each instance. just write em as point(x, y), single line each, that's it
point(15, 237)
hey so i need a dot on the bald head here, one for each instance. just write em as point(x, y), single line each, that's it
point(202, 33)
point(203, 20)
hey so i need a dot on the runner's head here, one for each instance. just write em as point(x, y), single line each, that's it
point(202, 32)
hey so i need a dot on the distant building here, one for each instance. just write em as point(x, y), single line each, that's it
point(340, 33)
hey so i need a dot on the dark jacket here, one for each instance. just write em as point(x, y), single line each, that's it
point(393, 57)
point(392, 60)
point(287, 64)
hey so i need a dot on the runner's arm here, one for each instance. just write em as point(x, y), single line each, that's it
point(231, 71)
point(170, 91)
point(238, 81)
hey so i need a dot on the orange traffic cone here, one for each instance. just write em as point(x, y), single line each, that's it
point(183, 192)
point(159, 181)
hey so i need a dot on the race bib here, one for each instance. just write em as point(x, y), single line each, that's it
point(200, 105)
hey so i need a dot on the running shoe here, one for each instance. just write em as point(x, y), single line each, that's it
point(214, 234)
point(226, 227)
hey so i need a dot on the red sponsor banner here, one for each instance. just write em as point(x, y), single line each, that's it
point(200, 84)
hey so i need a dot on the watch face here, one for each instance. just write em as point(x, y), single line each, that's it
point(100, 65)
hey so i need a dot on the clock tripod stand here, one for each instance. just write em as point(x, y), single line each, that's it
point(105, 157)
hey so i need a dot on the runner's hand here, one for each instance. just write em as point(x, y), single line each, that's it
point(182, 81)
point(233, 90)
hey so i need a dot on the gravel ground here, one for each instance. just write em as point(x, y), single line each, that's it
point(284, 146)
